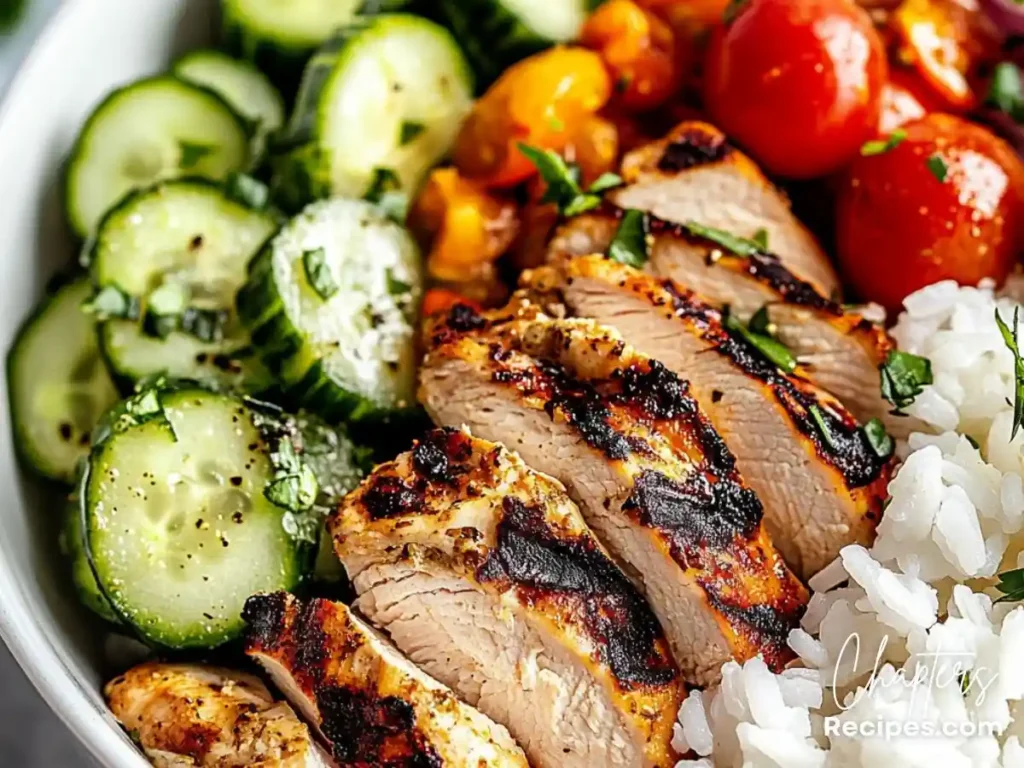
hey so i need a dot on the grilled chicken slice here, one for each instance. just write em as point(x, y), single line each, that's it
point(648, 471)
point(840, 351)
point(694, 174)
point(821, 489)
point(485, 574)
point(185, 716)
point(369, 703)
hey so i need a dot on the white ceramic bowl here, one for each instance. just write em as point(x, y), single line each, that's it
point(89, 48)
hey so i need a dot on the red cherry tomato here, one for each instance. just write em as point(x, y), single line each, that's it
point(945, 203)
point(798, 82)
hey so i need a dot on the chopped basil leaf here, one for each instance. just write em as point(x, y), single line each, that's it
point(881, 146)
point(1007, 90)
point(938, 167)
point(397, 287)
point(143, 407)
point(774, 351)
point(111, 302)
point(606, 181)
point(563, 182)
point(385, 192)
point(1011, 584)
point(192, 153)
point(294, 485)
point(822, 425)
point(629, 246)
point(904, 376)
point(318, 273)
point(1010, 339)
point(248, 191)
point(410, 131)
point(741, 246)
point(760, 239)
point(207, 325)
point(879, 440)
point(761, 323)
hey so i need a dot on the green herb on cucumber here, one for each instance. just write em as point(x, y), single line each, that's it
point(318, 273)
point(192, 153)
point(410, 131)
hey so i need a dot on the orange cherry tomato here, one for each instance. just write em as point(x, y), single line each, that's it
point(904, 98)
point(541, 101)
point(900, 228)
point(439, 300)
point(467, 227)
point(594, 148)
point(797, 82)
point(639, 51)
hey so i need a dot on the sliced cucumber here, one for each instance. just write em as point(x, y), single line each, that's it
point(279, 36)
point(387, 96)
point(179, 529)
point(191, 238)
point(497, 33)
point(58, 384)
point(82, 577)
point(150, 130)
point(241, 85)
point(331, 302)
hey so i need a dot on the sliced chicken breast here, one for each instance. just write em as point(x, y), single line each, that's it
point(647, 469)
point(185, 716)
point(821, 488)
point(484, 573)
point(840, 351)
point(694, 174)
point(369, 703)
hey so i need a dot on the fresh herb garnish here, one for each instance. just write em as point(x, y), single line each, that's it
point(191, 153)
point(760, 239)
point(881, 146)
point(318, 273)
point(879, 439)
point(385, 191)
point(819, 421)
point(1006, 92)
point(1011, 584)
point(563, 182)
point(774, 351)
point(741, 246)
point(294, 486)
point(410, 131)
point(1010, 339)
point(164, 309)
point(629, 246)
point(250, 192)
point(904, 376)
point(111, 302)
point(207, 325)
point(396, 287)
point(937, 165)
point(761, 323)
point(144, 406)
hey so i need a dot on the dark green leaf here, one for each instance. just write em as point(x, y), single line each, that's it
point(248, 191)
point(1010, 339)
point(384, 180)
point(397, 287)
point(410, 131)
point(1011, 584)
point(629, 246)
point(604, 182)
point(760, 239)
point(142, 407)
point(207, 325)
point(294, 486)
point(822, 426)
point(563, 182)
point(11, 12)
point(881, 146)
point(937, 165)
point(776, 352)
point(904, 376)
point(192, 153)
point(761, 323)
point(1007, 90)
point(741, 246)
point(111, 302)
point(318, 273)
point(879, 440)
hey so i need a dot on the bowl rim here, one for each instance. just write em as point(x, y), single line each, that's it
point(20, 629)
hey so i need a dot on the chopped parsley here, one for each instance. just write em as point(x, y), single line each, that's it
point(563, 182)
point(386, 193)
point(741, 246)
point(879, 439)
point(629, 246)
point(318, 273)
point(396, 287)
point(1010, 339)
point(881, 146)
point(247, 190)
point(191, 153)
point(774, 351)
point(761, 323)
point(410, 131)
point(937, 165)
point(112, 302)
point(823, 429)
point(1011, 584)
point(1006, 93)
point(904, 376)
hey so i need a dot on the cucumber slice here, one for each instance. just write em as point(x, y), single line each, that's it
point(150, 130)
point(388, 95)
point(186, 235)
point(58, 384)
point(331, 303)
point(279, 36)
point(179, 529)
point(82, 577)
point(497, 33)
point(241, 85)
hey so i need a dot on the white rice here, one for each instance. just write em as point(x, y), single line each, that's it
point(932, 649)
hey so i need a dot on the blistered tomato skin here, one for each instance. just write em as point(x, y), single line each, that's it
point(797, 82)
point(944, 204)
